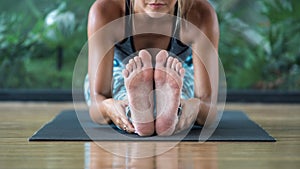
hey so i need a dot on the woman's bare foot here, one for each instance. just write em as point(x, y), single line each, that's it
point(168, 77)
point(139, 85)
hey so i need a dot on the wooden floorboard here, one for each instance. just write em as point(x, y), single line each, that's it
point(20, 120)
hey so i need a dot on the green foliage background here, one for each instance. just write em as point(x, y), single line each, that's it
point(259, 43)
point(27, 58)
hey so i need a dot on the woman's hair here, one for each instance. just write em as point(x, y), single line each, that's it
point(183, 8)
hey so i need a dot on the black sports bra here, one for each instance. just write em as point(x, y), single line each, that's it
point(125, 49)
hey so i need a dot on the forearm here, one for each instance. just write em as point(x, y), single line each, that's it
point(202, 112)
point(108, 110)
point(197, 108)
point(207, 112)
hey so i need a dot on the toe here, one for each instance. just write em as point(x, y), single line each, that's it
point(132, 63)
point(125, 73)
point(182, 72)
point(169, 62)
point(138, 62)
point(129, 67)
point(145, 58)
point(175, 61)
point(161, 59)
point(178, 67)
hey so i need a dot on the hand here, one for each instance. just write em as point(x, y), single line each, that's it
point(190, 109)
point(117, 113)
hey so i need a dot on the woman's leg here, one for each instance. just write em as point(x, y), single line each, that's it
point(120, 93)
point(139, 85)
point(187, 91)
point(168, 77)
point(86, 89)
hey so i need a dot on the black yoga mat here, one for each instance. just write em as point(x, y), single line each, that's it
point(233, 126)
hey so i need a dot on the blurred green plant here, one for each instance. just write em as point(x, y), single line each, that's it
point(266, 54)
point(16, 45)
point(259, 44)
point(31, 34)
point(59, 30)
point(283, 34)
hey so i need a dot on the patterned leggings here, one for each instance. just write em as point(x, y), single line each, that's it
point(119, 90)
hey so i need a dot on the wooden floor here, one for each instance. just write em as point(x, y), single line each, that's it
point(20, 120)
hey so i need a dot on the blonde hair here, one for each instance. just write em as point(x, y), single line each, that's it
point(183, 8)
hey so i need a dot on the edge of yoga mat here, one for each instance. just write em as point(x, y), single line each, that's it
point(66, 127)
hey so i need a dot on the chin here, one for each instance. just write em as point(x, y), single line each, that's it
point(156, 14)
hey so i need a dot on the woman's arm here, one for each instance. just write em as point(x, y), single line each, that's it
point(206, 63)
point(203, 33)
point(103, 108)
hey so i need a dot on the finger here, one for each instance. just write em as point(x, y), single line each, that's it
point(127, 127)
point(120, 118)
point(118, 123)
point(124, 124)
point(178, 128)
point(181, 125)
point(124, 104)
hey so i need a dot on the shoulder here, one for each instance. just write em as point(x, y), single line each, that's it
point(107, 8)
point(204, 17)
point(201, 12)
point(104, 11)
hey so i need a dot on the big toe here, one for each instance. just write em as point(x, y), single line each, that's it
point(145, 58)
point(161, 59)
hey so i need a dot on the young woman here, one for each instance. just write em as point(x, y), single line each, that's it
point(164, 87)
